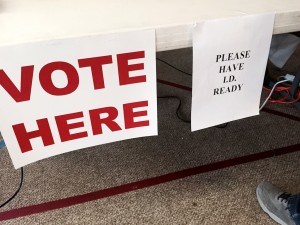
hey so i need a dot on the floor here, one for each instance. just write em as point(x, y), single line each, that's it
point(177, 177)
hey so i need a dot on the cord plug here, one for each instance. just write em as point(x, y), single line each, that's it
point(289, 77)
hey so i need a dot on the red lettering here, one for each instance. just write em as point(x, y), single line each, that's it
point(96, 65)
point(26, 83)
point(24, 137)
point(124, 68)
point(64, 127)
point(46, 78)
point(97, 121)
point(129, 114)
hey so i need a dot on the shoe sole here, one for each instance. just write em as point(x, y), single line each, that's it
point(273, 216)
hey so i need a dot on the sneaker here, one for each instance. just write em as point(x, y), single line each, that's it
point(274, 202)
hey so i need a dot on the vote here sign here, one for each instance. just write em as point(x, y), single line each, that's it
point(62, 95)
point(230, 57)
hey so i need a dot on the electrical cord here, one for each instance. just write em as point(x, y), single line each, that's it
point(270, 94)
point(223, 125)
point(178, 108)
point(175, 97)
point(17, 191)
point(173, 67)
point(185, 120)
point(281, 101)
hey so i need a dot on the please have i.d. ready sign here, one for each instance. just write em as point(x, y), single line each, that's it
point(229, 62)
point(68, 94)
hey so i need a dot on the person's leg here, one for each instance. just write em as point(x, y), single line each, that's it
point(294, 208)
point(275, 202)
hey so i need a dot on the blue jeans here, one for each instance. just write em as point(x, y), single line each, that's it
point(294, 208)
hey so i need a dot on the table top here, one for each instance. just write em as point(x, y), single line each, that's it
point(24, 21)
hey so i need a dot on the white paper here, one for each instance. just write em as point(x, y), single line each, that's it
point(86, 97)
point(229, 62)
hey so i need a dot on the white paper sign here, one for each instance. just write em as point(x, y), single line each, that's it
point(62, 95)
point(229, 61)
